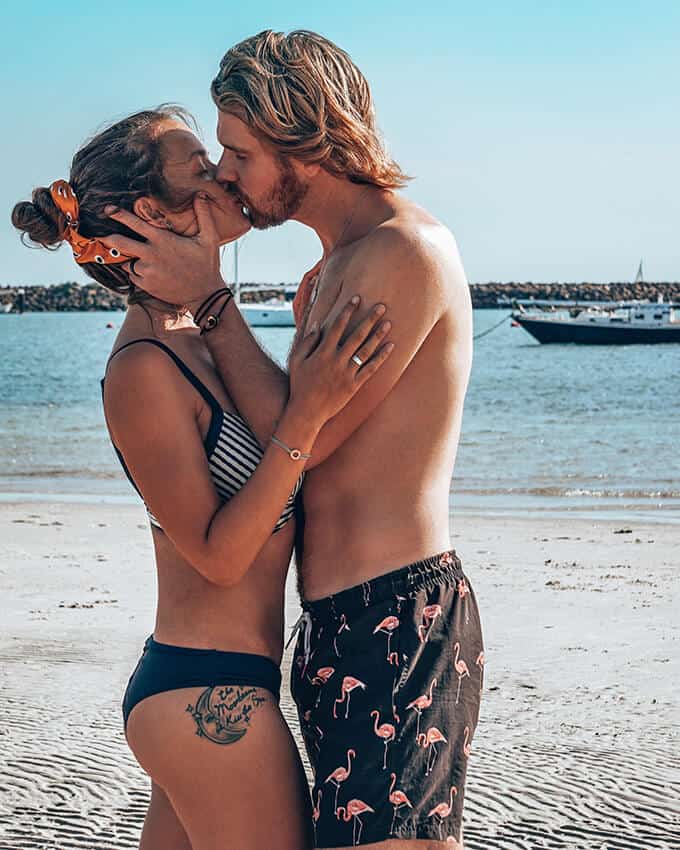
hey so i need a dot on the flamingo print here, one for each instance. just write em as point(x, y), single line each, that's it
point(316, 813)
point(421, 703)
point(467, 747)
point(343, 628)
point(351, 812)
point(480, 663)
point(385, 731)
point(398, 799)
point(463, 591)
point(443, 810)
point(349, 683)
point(323, 674)
point(340, 774)
point(430, 614)
point(461, 668)
point(387, 626)
point(428, 740)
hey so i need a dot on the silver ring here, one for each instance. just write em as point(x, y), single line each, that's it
point(356, 359)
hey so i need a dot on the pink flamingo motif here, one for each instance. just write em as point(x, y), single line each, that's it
point(463, 591)
point(443, 810)
point(316, 813)
point(341, 774)
point(430, 614)
point(349, 683)
point(387, 626)
point(343, 628)
point(316, 741)
point(467, 747)
point(428, 740)
point(385, 731)
point(323, 674)
point(352, 811)
point(461, 668)
point(421, 703)
point(480, 663)
point(398, 799)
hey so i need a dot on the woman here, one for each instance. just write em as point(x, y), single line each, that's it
point(201, 709)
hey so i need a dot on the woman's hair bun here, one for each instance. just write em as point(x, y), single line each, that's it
point(40, 220)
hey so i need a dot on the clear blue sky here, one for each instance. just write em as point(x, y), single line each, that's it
point(546, 135)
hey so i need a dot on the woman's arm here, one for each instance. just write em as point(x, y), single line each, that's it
point(258, 386)
point(256, 383)
point(156, 432)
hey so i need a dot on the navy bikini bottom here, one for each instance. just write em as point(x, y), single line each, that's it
point(164, 667)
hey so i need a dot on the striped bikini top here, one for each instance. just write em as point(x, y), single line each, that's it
point(231, 448)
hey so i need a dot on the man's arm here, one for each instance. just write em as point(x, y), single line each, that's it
point(417, 278)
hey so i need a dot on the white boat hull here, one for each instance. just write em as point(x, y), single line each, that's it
point(262, 315)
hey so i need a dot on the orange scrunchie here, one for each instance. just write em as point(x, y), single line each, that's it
point(84, 250)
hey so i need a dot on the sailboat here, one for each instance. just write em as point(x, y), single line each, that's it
point(600, 322)
point(272, 313)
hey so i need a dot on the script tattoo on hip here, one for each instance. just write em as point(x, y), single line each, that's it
point(223, 714)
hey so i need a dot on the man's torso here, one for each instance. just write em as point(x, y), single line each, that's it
point(381, 499)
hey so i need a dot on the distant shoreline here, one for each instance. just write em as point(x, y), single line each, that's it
point(75, 297)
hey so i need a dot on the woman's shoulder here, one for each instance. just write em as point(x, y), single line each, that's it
point(142, 382)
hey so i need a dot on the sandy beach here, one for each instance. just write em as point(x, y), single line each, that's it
point(578, 741)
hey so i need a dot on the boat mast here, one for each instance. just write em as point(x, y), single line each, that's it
point(639, 277)
point(237, 288)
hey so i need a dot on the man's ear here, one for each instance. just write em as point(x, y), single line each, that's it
point(148, 210)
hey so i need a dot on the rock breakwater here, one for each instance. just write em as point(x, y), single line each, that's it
point(75, 297)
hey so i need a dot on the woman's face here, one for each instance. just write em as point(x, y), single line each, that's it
point(187, 170)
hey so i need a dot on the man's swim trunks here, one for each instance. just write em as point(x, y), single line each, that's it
point(387, 677)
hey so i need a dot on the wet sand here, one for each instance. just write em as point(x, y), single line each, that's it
point(578, 741)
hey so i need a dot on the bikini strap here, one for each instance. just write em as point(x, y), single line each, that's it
point(193, 379)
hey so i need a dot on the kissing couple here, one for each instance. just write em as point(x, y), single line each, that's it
point(346, 456)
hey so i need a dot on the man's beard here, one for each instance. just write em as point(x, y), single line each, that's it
point(283, 202)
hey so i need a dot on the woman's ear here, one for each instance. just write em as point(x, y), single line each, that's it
point(148, 210)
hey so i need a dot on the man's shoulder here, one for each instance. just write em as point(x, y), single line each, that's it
point(412, 243)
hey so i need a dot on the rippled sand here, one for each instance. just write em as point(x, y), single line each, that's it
point(578, 741)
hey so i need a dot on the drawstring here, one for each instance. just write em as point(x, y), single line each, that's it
point(304, 620)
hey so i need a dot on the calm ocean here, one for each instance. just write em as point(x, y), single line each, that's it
point(588, 430)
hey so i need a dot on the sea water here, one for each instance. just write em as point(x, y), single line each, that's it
point(554, 428)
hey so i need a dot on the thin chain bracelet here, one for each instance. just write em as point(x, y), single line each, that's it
point(293, 454)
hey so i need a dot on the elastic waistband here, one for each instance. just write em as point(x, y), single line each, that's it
point(437, 569)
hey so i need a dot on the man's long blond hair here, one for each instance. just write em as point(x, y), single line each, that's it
point(307, 99)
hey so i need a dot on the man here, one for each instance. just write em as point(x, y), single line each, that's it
point(388, 669)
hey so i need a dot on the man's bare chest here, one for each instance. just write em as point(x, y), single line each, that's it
point(329, 293)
